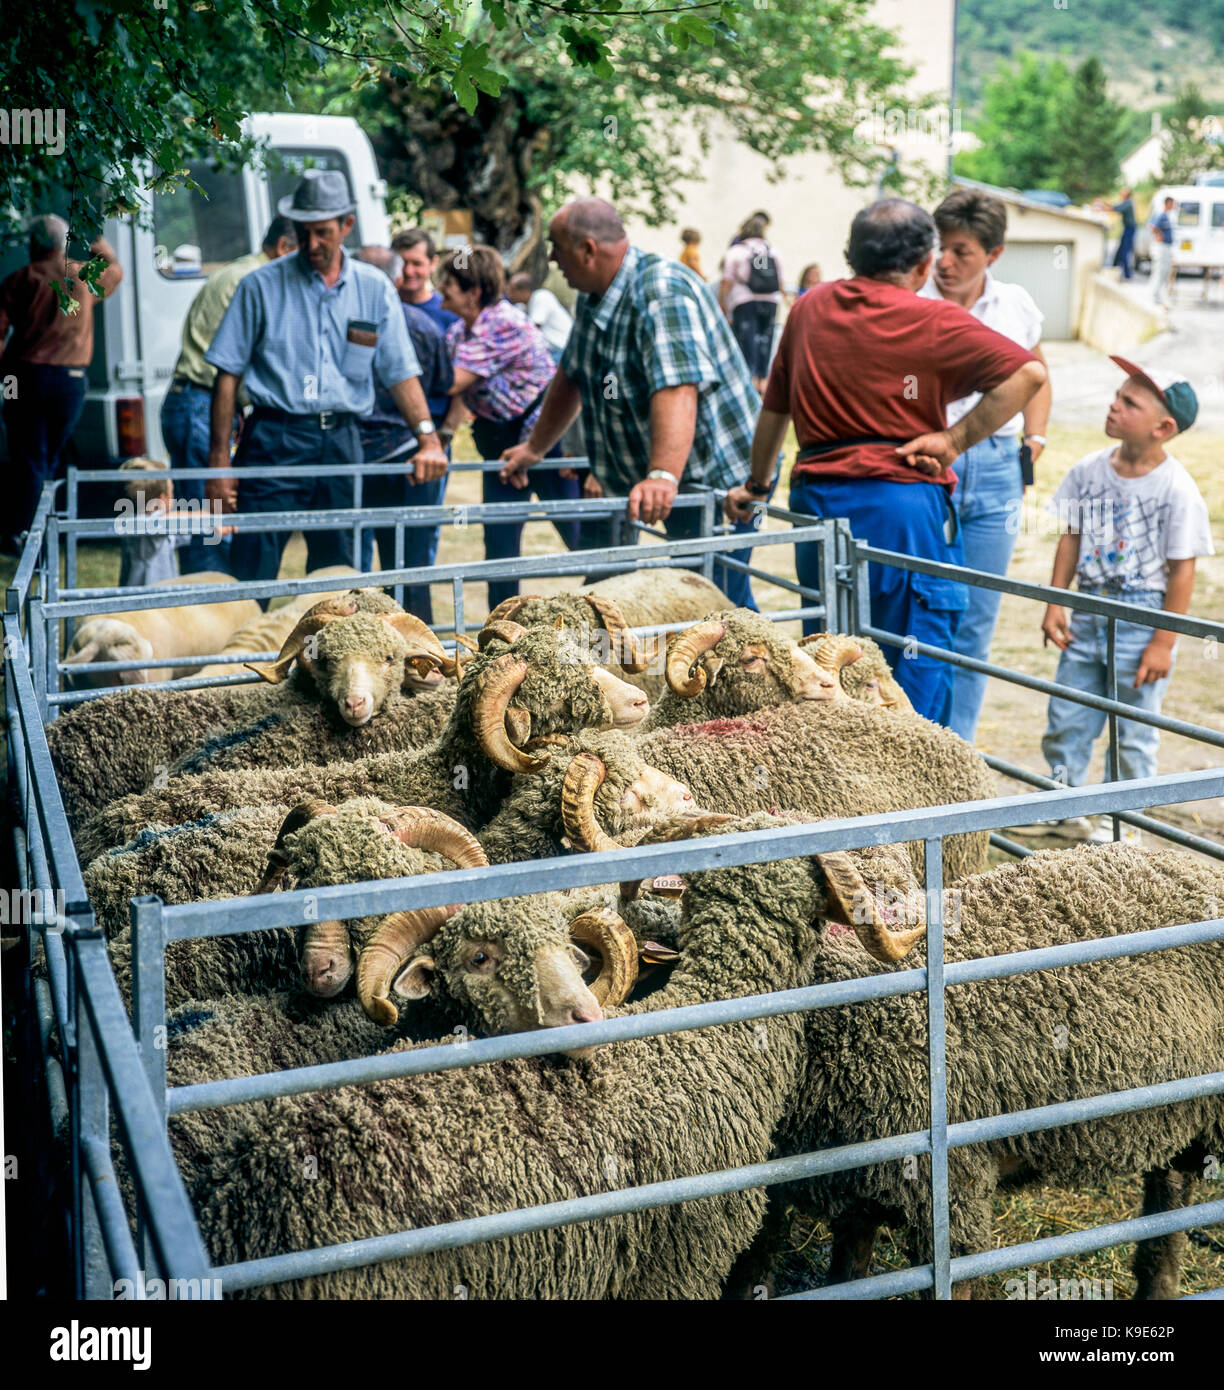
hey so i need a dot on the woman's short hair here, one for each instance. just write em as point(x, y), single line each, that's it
point(890, 235)
point(980, 214)
point(475, 268)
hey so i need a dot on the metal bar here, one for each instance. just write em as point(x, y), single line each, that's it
point(707, 529)
point(1063, 692)
point(358, 528)
point(101, 602)
point(744, 847)
point(149, 1015)
point(1111, 693)
point(112, 1219)
point(1067, 598)
point(31, 551)
point(57, 1093)
point(475, 1230)
point(1152, 826)
point(399, 559)
point(1017, 851)
point(176, 1239)
point(38, 656)
point(938, 1068)
point(90, 1127)
point(374, 469)
point(53, 624)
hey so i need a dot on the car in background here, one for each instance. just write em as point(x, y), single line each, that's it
point(1198, 227)
point(168, 252)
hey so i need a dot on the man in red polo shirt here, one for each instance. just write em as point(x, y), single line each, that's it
point(866, 369)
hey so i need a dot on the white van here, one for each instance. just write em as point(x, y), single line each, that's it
point(1198, 224)
point(139, 328)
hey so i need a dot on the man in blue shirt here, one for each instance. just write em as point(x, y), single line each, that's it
point(384, 435)
point(307, 334)
point(418, 266)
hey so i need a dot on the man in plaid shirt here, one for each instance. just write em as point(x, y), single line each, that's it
point(664, 391)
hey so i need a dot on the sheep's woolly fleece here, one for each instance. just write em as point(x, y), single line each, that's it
point(117, 744)
point(825, 760)
point(1023, 1042)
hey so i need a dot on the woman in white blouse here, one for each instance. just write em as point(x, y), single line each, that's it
point(989, 492)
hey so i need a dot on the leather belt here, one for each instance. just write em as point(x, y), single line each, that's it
point(323, 419)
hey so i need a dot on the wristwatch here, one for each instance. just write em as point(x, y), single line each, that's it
point(759, 489)
point(424, 427)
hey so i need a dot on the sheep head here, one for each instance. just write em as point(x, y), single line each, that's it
point(635, 789)
point(528, 684)
point(577, 612)
point(108, 639)
point(525, 964)
point(869, 679)
point(359, 655)
point(741, 662)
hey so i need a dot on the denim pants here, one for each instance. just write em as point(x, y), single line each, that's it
point(299, 445)
point(1072, 729)
point(186, 426)
point(39, 418)
point(913, 519)
point(420, 542)
point(988, 497)
point(1122, 256)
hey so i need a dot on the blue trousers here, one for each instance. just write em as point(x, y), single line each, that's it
point(987, 500)
point(186, 431)
point(1072, 729)
point(420, 542)
point(914, 519)
point(503, 541)
point(39, 418)
point(299, 445)
point(1122, 256)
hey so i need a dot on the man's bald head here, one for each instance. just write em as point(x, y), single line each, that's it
point(381, 257)
point(589, 243)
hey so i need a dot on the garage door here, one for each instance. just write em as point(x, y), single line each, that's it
point(1047, 270)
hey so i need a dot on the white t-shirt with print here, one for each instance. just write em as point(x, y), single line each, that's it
point(1131, 527)
point(1010, 310)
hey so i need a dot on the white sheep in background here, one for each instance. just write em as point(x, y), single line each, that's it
point(196, 629)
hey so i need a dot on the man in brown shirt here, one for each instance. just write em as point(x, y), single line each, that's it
point(44, 362)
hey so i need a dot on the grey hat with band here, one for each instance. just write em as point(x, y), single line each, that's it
point(322, 193)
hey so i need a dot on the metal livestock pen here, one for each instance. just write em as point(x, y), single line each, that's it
point(106, 1066)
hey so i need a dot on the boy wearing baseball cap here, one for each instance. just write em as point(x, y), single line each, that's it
point(1134, 524)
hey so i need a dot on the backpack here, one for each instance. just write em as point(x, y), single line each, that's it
point(763, 272)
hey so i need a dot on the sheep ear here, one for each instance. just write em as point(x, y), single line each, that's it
point(86, 654)
point(848, 896)
point(518, 724)
point(416, 979)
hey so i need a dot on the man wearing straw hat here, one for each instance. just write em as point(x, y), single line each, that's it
point(306, 334)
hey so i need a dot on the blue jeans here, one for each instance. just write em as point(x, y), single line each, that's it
point(39, 417)
point(298, 445)
point(186, 430)
point(1072, 729)
point(913, 519)
point(1122, 256)
point(420, 542)
point(987, 500)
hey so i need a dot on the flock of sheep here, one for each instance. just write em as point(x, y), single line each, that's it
point(370, 752)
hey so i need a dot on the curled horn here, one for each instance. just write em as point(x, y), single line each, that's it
point(503, 629)
point(831, 651)
point(684, 650)
point(583, 778)
point(496, 686)
point(508, 607)
point(420, 639)
point(624, 645)
point(311, 622)
point(604, 932)
point(278, 861)
point(851, 902)
point(399, 934)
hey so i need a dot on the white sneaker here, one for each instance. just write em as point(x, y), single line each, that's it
point(1102, 833)
point(1073, 828)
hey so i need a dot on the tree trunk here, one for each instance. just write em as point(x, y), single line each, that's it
point(479, 162)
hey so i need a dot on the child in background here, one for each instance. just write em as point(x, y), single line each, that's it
point(689, 255)
point(148, 559)
point(1135, 523)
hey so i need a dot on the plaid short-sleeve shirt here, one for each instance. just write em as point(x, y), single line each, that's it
point(658, 325)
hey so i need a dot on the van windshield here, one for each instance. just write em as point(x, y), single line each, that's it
point(198, 233)
point(282, 181)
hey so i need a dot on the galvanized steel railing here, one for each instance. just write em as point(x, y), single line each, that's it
point(110, 1060)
